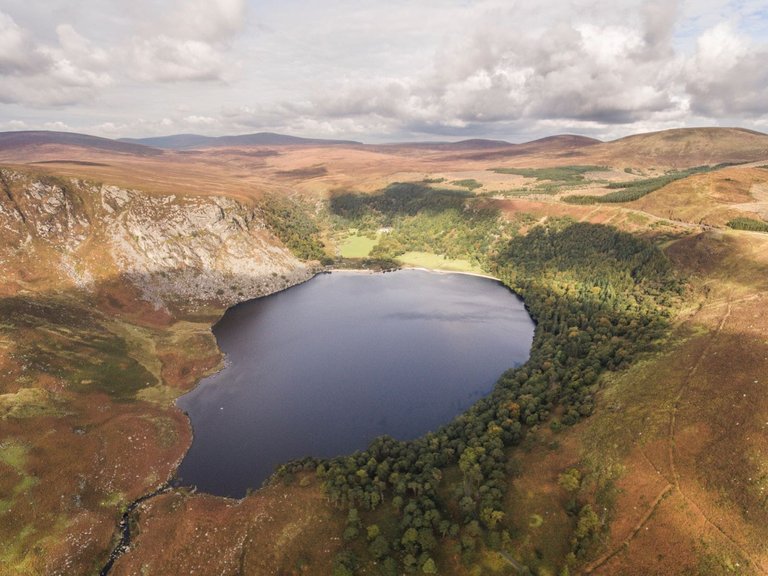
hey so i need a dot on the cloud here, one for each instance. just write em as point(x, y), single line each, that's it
point(659, 18)
point(200, 120)
point(194, 44)
point(189, 41)
point(397, 70)
point(18, 53)
point(14, 125)
point(208, 20)
point(571, 62)
point(58, 126)
point(37, 74)
point(511, 67)
point(78, 48)
point(167, 59)
point(728, 75)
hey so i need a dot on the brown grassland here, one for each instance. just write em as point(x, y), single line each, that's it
point(675, 456)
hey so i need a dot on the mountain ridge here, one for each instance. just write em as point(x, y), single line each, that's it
point(195, 141)
point(31, 138)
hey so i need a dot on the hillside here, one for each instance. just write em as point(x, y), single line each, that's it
point(559, 146)
point(470, 144)
point(712, 199)
point(685, 147)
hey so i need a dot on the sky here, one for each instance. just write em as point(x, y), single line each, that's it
point(386, 70)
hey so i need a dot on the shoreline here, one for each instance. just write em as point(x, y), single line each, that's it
point(407, 267)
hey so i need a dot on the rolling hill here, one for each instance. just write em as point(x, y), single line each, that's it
point(560, 145)
point(469, 144)
point(28, 140)
point(685, 147)
point(196, 141)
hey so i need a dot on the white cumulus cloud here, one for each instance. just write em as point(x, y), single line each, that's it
point(40, 74)
point(18, 52)
point(728, 74)
point(192, 43)
point(165, 59)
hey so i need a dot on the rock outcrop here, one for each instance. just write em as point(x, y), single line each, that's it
point(178, 250)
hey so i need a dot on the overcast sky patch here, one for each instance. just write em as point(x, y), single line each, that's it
point(378, 71)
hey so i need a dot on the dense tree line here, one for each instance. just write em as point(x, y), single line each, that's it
point(636, 189)
point(598, 296)
point(565, 175)
point(751, 224)
point(290, 221)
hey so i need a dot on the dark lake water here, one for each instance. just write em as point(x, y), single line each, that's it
point(323, 368)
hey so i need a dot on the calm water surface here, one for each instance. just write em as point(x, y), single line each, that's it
point(323, 368)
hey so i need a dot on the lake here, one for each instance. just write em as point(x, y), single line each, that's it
point(323, 368)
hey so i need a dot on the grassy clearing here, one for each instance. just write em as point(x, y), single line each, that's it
point(356, 246)
point(13, 554)
point(65, 339)
point(14, 455)
point(163, 395)
point(30, 403)
point(540, 528)
point(113, 500)
point(636, 405)
point(141, 345)
point(437, 262)
point(468, 183)
point(105, 366)
point(559, 174)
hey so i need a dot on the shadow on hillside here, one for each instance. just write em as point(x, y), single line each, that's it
point(398, 199)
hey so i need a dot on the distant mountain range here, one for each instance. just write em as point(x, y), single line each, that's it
point(33, 138)
point(153, 146)
point(193, 141)
point(477, 144)
point(471, 144)
point(665, 148)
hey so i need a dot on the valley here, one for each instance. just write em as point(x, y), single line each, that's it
point(633, 441)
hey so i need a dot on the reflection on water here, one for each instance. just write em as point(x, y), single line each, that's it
point(323, 368)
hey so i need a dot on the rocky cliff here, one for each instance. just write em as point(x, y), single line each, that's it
point(68, 233)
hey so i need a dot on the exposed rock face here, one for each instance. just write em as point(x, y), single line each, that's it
point(181, 250)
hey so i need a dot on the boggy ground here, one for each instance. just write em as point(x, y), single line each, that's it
point(277, 530)
point(85, 423)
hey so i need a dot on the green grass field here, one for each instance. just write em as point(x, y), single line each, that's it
point(355, 246)
point(437, 262)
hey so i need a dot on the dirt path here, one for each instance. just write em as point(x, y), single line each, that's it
point(672, 445)
point(512, 562)
point(624, 544)
point(683, 389)
point(674, 485)
point(729, 301)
